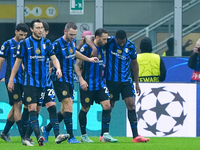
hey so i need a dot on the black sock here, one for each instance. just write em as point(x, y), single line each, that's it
point(60, 118)
point(25, 119)
point(105, 121)
point(68, 123)
point(54, 119)
point(34, 123)
point(133, 122)
point(8, 125)
point(29, 130)
point(20, 128)
point(82, 121)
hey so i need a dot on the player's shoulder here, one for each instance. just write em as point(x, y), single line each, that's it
point(130, 44)
point(84, 48)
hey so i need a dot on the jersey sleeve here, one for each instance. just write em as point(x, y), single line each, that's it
point(21, 50)
point(133, 52)
point(4, 50)
point(50, 50)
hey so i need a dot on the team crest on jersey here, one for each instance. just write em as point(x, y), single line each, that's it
point(44, 46)
point(64, 93)
point(82, 49)
point(99, 56)
point(38, 51)
point(15, 96)
point(119, 51)
point(126, 50)
point(28, 99)
point(71, 51)
point(87, 100)
point(2, 47)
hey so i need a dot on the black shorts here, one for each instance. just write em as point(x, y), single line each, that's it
point(88, 97)
point(38, 95)
point(125, 88)
point(16, 94)
point(63, 90)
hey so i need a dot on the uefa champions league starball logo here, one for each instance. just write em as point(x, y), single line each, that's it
point(161, 111)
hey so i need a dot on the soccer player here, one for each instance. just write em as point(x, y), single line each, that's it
point(34, 52)
point(65, 51)
point(120, 52)
point(8, 52)
point(93, 87)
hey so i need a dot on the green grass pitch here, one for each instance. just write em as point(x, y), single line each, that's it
point(125, 143)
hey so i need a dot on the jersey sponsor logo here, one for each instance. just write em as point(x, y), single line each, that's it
point(40, 58)
point(13, 47)
point(1, 53)
point(2, 47)
point(70, 56)
point(100, 62)
point(118, 55)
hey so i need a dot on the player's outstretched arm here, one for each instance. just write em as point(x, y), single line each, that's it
point(85, 58)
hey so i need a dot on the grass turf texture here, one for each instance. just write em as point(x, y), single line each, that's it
point(125, 143)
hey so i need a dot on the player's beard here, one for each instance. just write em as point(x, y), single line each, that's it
point(38, 36)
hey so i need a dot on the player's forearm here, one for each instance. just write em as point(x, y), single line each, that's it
point(136, 72)
point(1, 62)
point(81, 56)
point(15, 69)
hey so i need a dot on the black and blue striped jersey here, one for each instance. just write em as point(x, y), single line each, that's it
point(9, 52)
point(34, 54)
point(65, 52)
point(92, 72)
point(118, 60)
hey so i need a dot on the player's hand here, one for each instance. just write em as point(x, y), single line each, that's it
point(10, 86)
point(93, 59)
point(84, 85)
point(59, 73)
point(138, 91)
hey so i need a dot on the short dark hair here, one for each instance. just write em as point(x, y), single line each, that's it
point(21, 26)
point(99, 32)
point(70, 25)
point(146, 45)
point(34, 21)
point(120, 34)
point(45, 25)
